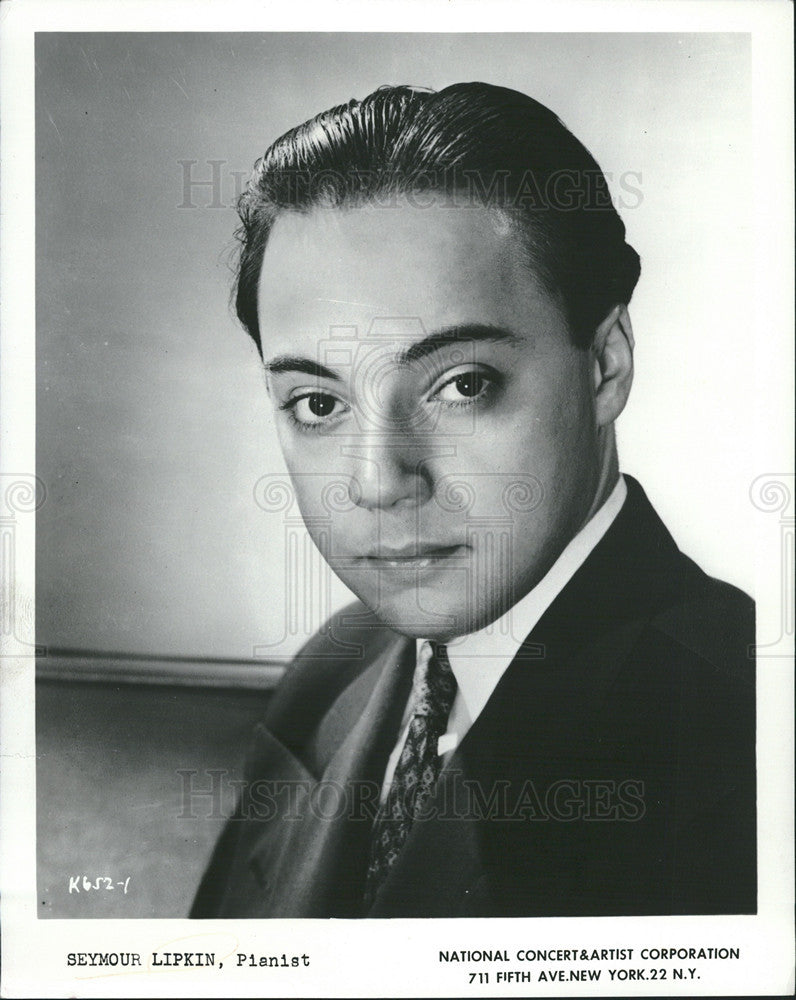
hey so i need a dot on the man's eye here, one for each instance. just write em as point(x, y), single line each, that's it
point(464, 388)
point(315, 408)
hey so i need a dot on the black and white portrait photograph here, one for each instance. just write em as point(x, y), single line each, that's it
point(397, 501)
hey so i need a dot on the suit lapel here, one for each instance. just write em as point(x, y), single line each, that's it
point(336, 796)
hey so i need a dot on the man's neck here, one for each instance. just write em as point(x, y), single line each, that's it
point(609, 475)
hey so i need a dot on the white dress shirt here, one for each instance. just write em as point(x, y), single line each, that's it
point(480, 659)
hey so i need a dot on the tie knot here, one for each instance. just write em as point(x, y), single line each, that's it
point(434, 686)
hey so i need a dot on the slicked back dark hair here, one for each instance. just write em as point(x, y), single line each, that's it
point(473, 143)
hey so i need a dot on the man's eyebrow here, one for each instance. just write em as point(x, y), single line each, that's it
point(478, 332)
point(469, 332)
point(294, 363)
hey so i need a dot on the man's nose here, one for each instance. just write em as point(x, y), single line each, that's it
point(388, 470)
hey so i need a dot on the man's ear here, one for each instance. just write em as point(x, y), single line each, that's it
point(612, 349)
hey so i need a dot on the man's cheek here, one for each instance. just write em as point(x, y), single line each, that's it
point(334, 533)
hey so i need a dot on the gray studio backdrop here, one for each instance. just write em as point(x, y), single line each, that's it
point(153, 425)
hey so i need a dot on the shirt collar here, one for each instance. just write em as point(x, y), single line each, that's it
point(479, 659)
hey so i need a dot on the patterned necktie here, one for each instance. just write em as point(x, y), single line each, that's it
point(418, 767)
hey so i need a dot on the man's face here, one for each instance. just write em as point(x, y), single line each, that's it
point(436, 419)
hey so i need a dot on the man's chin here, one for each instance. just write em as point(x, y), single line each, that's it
point(419, 616)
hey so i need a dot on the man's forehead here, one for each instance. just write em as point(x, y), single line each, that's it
point(332, 269)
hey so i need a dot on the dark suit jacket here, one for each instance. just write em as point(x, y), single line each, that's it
point(611, 772)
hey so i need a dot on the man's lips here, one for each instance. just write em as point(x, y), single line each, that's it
point(412, 555)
